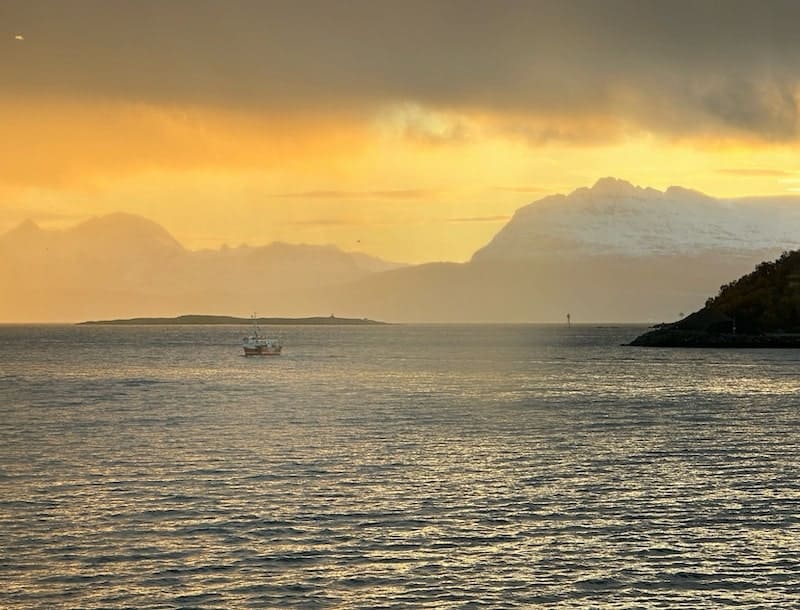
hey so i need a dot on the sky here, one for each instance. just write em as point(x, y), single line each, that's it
point(408, 130)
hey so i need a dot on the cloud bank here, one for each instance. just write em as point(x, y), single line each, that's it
point(728, 69)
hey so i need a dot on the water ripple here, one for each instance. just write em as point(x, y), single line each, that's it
point(551, 470)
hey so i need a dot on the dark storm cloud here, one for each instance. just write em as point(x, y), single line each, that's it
point(675, 67)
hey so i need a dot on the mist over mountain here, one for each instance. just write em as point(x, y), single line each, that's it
point(613, 252)
point(120, 265)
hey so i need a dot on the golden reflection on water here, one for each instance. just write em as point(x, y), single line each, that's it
point(556, 471)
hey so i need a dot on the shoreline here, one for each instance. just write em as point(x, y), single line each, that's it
point(671, 337)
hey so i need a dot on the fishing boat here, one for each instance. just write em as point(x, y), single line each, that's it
point(259, 345)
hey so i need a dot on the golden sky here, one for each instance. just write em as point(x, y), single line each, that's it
point(411, 131)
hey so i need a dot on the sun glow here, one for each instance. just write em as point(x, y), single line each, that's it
point(406, 182)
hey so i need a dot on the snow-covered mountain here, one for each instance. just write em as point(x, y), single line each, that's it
point(616, 218)
point(613, 253)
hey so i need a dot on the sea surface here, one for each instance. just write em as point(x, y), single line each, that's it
point(401, 466)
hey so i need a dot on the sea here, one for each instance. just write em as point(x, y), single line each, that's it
point(395, 466)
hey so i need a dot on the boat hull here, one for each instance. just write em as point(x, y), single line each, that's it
point(262, 351)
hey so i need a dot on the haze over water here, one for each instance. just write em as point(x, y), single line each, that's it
point(394, 466)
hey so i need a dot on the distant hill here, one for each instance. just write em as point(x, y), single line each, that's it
point(594, 289)
point(760, 309)
point(614, 252)
point(113, 266)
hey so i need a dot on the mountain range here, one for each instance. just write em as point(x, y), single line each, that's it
point(614, 252)
point(121, 265)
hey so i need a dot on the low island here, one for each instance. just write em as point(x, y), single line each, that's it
point(204, 319)
point(760, 309)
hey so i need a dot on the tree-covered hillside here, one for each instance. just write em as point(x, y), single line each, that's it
point(760, 309)
point(765, 300)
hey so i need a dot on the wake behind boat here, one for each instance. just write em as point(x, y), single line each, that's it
point(259, 345)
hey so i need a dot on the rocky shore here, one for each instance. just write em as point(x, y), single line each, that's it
point(674, 337)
